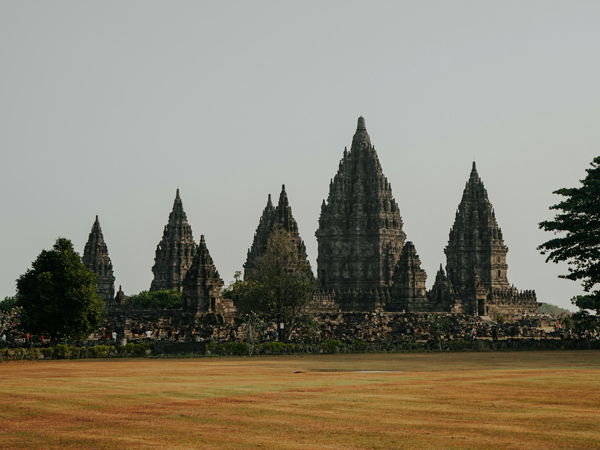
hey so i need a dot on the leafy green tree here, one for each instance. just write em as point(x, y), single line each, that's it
point(578, 242)
point(280, 285)
point(9, 313)
point(583, 323)
point(58, 294)
point(567, 322)
point(438, 327)
point(548, 308)
point(164, 299)
point(8, 304)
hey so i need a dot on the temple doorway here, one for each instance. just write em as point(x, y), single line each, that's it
point(481, 307)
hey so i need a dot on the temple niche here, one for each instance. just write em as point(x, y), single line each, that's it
point(95, 258)
point(175, 252)
point(360, 235)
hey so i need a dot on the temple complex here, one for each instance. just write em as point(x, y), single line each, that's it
point(175, 252)
point(363, 265)
point(95, 258)
point(272, 218)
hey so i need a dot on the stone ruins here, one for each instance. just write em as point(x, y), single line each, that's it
point(365, 264)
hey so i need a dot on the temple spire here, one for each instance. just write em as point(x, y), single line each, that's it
point(360, 235)
point(202, 284)
point(475, 240)
point(281, 216)
point(175, 252)
point(95, 258)
point(361, 137)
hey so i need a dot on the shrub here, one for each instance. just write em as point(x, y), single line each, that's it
point(331, 346)
point(62, 351)
point(501, 319)
point(360, 346)
point(100, 351)
point(273, 347)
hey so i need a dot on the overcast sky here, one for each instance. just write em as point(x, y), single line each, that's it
point(108, 107)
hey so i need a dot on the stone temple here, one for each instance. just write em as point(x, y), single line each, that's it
point(95, 258)
point(365, 262)
point(175, 252)
point(360, 235)
point(273, 217)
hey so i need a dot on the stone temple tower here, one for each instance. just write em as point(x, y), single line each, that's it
point(475, 245)
point(95, 258)
point(408, 288)
point(202, 284)
point(175, 252)
point(272, 217)
point(360, 235)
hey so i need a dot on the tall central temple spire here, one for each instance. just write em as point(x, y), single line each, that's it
point(361, 137)
point(360, 235)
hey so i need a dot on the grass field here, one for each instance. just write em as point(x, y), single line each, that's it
point(520, 400)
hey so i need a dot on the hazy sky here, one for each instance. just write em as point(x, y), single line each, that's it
point(108, 107)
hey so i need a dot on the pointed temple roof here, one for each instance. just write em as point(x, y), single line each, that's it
point(360, 212)
point(271, 218)
point(203, 272)
point(409, 258)
point(175, 251)
point(476, 240)
point(95, 258)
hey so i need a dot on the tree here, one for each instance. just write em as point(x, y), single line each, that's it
point(9, 313)
point(58, 294)
point(163, 299)
point(578, 224)
point(279, 286)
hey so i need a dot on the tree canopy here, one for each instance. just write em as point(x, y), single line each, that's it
point(279, 286)
point(577, 230)
point(163, 299)
point(58, 294)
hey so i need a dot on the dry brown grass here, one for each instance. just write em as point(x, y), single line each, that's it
point(524, 400)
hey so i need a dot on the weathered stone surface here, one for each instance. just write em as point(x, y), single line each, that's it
point(360, 235)
point(95, 258)
point(175, 252)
